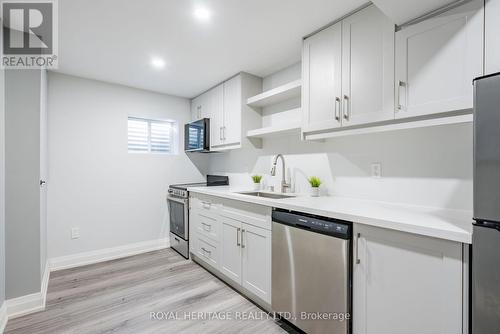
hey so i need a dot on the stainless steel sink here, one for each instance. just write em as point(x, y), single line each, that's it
point(265, 194)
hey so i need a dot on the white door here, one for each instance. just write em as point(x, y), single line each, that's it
point(436, 61)
point(322, 79)
point(231, 132)
point(367, 67)
point(215, 103)
point(256, 245)
point(231, 249)
point(405, 283)
point(44, 171)
point(492, 33)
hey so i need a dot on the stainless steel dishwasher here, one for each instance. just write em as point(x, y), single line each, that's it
point(311, 271)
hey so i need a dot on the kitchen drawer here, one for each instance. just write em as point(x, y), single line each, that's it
point(205, 204)
point(253, 214)
point(207, 251)
point(206, 225)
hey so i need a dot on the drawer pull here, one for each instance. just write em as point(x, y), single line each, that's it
point(337, 110)
point(206, 251)
point(207, 227)
point(242, 244)
point(206, 205)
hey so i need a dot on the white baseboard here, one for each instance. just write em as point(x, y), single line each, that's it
point(101, 255)
point(17, 307)
point(45, 282)
point(3, 317)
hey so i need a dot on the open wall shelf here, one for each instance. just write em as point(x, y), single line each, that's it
point(275, 131)
point(276, 95)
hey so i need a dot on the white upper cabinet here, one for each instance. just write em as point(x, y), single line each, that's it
point(231, 131)
point(215, 102)
point(322, 79)
point(195, 109)
point(436, 61)
point(367, 67)
point(225, 106)
point(406, 283)
point(492, 36)
point(348, 72)
point(200, 107)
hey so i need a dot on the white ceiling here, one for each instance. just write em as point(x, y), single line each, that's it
point(114, 40)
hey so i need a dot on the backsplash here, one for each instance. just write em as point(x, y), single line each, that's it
point(426, 166)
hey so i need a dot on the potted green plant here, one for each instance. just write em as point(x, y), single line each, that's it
point(315, 182)
point(256, 182)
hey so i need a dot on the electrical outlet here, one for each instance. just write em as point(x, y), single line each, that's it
point(376, 170)
point(75, 233)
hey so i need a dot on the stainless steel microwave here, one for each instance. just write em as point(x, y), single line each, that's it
point(197, 136)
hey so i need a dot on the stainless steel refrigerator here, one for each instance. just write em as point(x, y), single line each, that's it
point(486, 230)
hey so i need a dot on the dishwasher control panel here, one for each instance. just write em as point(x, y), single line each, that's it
point(324, 225)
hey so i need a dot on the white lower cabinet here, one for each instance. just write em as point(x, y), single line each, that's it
point(246, 256)
point(406, 283)
point(256, 261)
point(231, 249)
point(235, 239)
point(207, 250)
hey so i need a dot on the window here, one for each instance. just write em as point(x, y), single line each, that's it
point(151, 136)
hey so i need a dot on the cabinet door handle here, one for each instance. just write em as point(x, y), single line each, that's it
point(199, 111)
point(358, 261)
point(242, 244)
point(223, 133)
point(238, 237)
point(337, 108)
point(400, 84)
point(206, 251)
point(220, 133)
point(345, 107)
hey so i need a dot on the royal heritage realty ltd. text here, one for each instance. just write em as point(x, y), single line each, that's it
point(259, 315)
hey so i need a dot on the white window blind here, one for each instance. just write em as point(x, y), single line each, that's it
point(150, 136)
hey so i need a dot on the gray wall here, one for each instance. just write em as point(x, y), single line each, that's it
point(22, 167)
point(90, 165)
point(2, 190)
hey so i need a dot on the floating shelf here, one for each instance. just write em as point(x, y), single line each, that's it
point(275, 131)
point(276, 95)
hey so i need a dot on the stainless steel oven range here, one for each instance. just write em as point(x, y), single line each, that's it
point(178, 209)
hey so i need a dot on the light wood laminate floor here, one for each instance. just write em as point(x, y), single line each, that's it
point(117, 297)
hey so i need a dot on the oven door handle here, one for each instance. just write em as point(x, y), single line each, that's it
point(178, 200)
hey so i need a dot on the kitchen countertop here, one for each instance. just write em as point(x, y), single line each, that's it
point(454, 225)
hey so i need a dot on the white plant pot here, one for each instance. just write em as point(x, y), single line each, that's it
point(315, 191)
point(256, 186)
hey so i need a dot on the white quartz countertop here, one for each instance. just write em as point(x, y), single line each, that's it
point(454, 225)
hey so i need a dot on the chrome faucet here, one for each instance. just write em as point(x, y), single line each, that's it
point(284, 185)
